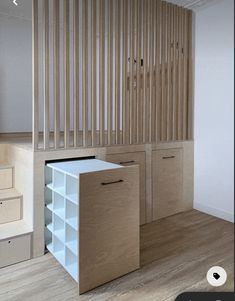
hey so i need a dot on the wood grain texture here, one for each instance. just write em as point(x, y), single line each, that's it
point(136, 158)
point(167, 180)
point(109, 226)
point(179, 261)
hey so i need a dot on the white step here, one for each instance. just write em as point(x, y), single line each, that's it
point(10, 205)
point(6, 176)
point(14, 229)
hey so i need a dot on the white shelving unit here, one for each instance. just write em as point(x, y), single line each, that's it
point(62, 209)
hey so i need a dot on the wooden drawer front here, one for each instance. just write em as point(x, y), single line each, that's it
point(6, 178)
point(109, 225)
point(10, 210)
point(128, 159)
point(167, 182)
point(14, 250)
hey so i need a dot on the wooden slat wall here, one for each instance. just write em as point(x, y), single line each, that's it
point(133, 86)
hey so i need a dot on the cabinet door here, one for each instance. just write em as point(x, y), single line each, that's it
point(128, 159)
point(167, 169)
point(108, 225)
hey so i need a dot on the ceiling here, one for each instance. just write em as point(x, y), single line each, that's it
point(25, 6)
point(193, 4)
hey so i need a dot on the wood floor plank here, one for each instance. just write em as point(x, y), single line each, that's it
point(176, 253)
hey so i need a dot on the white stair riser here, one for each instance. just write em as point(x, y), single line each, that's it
point(10, 210)
point(6, 178)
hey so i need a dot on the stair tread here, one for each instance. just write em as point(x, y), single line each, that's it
point(13, 229)
point(10, 193)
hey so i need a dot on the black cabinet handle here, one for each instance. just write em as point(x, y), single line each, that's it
point(127, 162)
point(114, 182)
point(169, 157)
point(9, 241)
point(0, 203)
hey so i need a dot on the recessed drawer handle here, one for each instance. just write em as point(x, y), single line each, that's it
point(114, 182)
point(0, 203)
point(127, 162)
point(169, 157)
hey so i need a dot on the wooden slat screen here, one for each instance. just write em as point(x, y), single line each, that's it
point(115, 72)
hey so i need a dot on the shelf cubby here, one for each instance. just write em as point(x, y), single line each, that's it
point(71, 214)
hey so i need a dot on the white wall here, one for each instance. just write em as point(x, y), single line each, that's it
point(15, 74)
point(214, 110)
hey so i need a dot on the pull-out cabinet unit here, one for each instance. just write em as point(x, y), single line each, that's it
point(92, 219)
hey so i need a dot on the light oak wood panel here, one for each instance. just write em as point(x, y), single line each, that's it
point(10, 210)
point(127, 159)
point(167, 180)
point(180, 261)
point(109, 232)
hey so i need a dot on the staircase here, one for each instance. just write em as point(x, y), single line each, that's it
point(15, 234)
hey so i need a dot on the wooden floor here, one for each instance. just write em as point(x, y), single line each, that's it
point(176, 254)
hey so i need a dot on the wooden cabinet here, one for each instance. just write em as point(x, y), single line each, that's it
point(127, 159)
point(167, 182)
point(14, 250)
point(10, 210)
point(92, 219)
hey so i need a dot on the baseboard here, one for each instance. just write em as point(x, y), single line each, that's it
point(214, 211)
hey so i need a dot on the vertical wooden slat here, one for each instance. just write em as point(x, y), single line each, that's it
point(124, 68)
point(131, 63)
point(56, 72)
point(46, 124)
point(134, 62)
point(169, 120)
point(66, 76)
point(185, 63)
point(35, 73)
point(174, 81)
point(101, 70)
point(110, 73)
point(158, 70)
point(151, 28)
point(85, 72)
point(190, 76)
point(145, 71)
point(76, 71)
point(180, 74)
point(117, 72)
point(127, 100)
point(138, 72)
point(93, 72)
point(163, 73)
